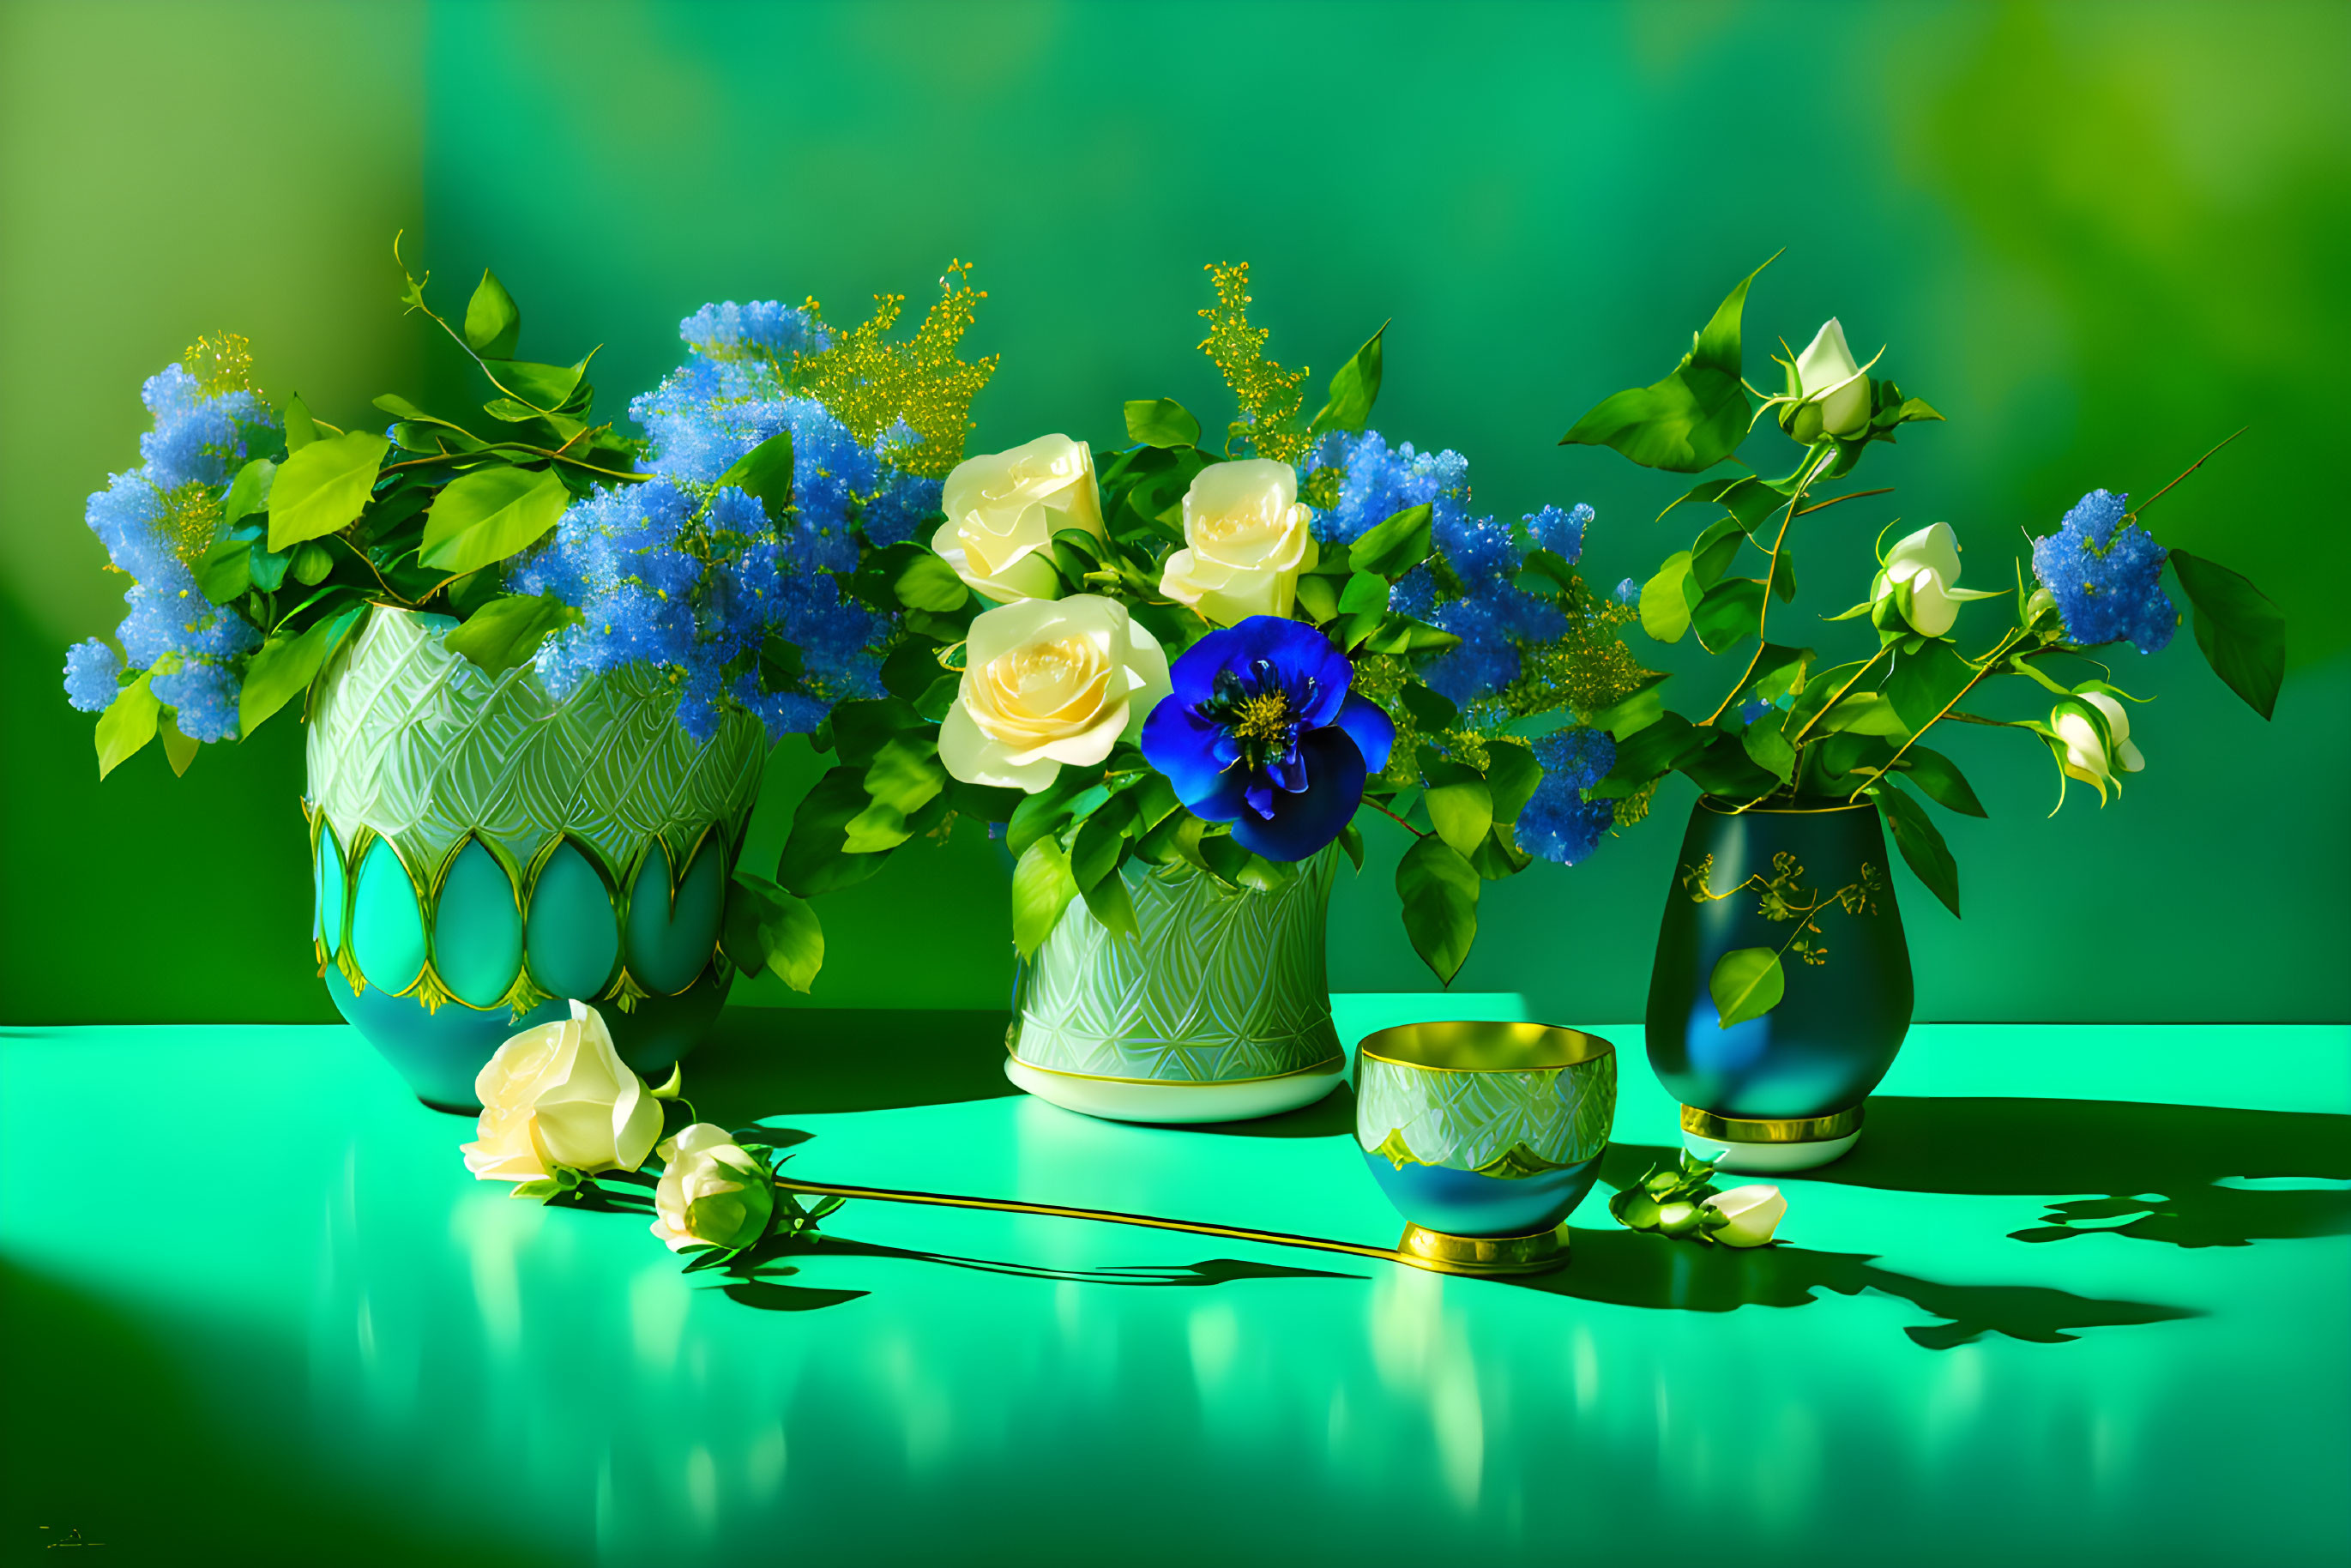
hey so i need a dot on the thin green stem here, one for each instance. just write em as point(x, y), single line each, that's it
point(2191, 468)
point(1817, 460)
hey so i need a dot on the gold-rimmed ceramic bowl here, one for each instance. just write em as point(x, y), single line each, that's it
point(1484, 1137)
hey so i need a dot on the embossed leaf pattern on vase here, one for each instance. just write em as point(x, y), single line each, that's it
point(1468, 1121)
point(1223, 985)
point(412, 741)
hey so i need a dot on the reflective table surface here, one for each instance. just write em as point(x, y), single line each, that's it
point(2080, 1295)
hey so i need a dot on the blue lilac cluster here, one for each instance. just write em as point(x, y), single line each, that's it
point(156, 521)
point(2106, 576)
point(1376, 483)
point(694, 579)
point(1493, 618)
point(1559, 823)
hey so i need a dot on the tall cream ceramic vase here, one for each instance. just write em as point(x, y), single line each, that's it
point(1220, 1012)
point(483, 852)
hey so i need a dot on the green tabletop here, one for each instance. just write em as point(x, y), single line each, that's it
point(2080, 1294)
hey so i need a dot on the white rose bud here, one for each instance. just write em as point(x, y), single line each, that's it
point(1003, 509)
point(1047, 682)
point(712, 1191)
point(1928, 561)
point(2087, 758)
point(1832, 390)
point(1755, 1212)
point(1247, 539)
point(560, 1095)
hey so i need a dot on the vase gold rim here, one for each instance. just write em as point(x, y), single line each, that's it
point(1789, 1130)
point(1707, 803)
point(1328, 1064)
point(1584, 1047)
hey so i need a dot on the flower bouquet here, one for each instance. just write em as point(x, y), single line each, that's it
point(1782, 987)
point(542, 660)
point(1177, 679)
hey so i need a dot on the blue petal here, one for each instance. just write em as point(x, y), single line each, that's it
point(1371, 730)
point(1183, 745)
point(1304, 823)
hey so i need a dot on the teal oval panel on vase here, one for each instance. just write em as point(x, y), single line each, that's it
point(387, 927)
point(478, 928)
point(670, 941)
point(326, 870)
point(572, 938)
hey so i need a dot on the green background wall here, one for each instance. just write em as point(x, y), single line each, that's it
point(2098, 237)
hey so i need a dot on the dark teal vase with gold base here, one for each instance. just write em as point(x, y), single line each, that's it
point(1781, 1092)
point(485, 851)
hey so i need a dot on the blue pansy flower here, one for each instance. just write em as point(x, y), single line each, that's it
point(1264, 731)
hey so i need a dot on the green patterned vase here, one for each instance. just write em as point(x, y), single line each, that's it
point(483, 851)
point(1220, 1012)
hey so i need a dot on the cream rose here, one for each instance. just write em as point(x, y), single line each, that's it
point(2092, 761)
point(560, 1095)
point(712, 1191)
point(1754, 1211)
point(1832, 391)
point(1003, 509)
point(1245, 540)
point(1929, 563)
point(1047, 682)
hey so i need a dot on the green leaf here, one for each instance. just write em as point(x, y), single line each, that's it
point(1925, 683)
point(226, 570)
point(300, 428)
point(178, 749)
point(1667, 599)
point(1095, 849)
point(1863, 713)
point(1432, 711)
point(543, 387)
point(1438, 889)
point(505, 633)
point(1723, 769)
point(1318, 598)
point(1730, 612)
point(1366, 592)
point(1634, 712)
point(2240, 630)
point(1747, 983)
point(1161, 422)
point(1354, 388)
point(493, 320)
point(764, 474)
point(1649, 754)
point(1695, 417)
point(1922, 847)
point(1714, 550)
point(903, 777)
point(1766, 741)
point(1939, 779)
point(929, 584)
point(1111, 904)
point(249, 493)
point(1460, 805)
point(1351, 840)
point(1395, 633)
point(488, 515)
point(1749, 499)
point(1041, 889)
point(127, 725)
point(813, 859)
point(1820, 688)
point(766, 928)
point(1395, 546)
point(324, 486)
point(287, 665)
point(1511, 774)
point(310, 563)
point(1783, 576)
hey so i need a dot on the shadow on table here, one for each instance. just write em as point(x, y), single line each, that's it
point(753, 1281)
point(1628, 1268)
point(1332, 1114)
point(769, 1061)
point(2161, 1163)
